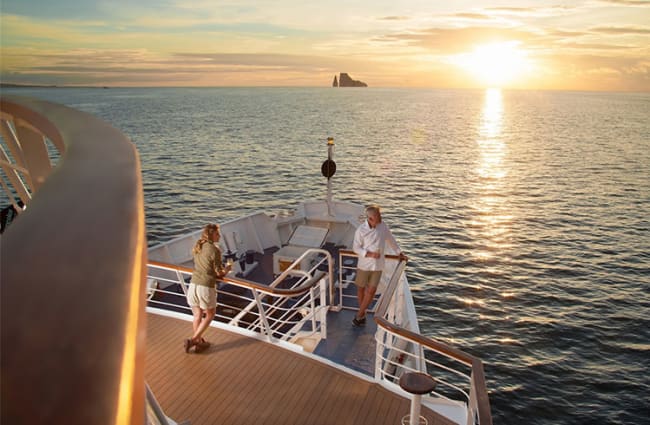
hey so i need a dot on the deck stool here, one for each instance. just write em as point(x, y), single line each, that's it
point(416, 383)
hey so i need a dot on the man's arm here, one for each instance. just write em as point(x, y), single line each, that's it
point(357, 245)
point(392, 242)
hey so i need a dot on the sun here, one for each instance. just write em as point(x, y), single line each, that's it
point(495, 64)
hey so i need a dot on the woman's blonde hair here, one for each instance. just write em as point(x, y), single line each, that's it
point(206, 236)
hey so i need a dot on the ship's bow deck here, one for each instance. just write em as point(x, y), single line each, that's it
point(242, 380)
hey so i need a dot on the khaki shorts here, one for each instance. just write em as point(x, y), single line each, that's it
point(368, 278)
point(201, 296)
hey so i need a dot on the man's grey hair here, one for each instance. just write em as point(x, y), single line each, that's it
point(373, 210)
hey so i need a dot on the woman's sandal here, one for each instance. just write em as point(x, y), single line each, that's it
point(201, 345)
point(189, 343)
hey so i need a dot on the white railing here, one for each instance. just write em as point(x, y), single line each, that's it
point(459, 376)
point(298, 310)
point(29, 149)
point(347, 270)
point(154, 412)
point(400, 348)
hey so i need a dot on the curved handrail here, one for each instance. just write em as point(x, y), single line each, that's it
point(479, 397)
point(279, 313)
point(306, 286)
point(297, 261)
point(388, 256)
point(73, 268)
point(386, 297)
point(478, 375)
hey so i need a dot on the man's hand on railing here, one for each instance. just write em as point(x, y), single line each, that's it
point(403, 257)
point(373, 254)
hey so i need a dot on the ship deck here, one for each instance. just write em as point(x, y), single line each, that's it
point(347, 345)
point(243, 380)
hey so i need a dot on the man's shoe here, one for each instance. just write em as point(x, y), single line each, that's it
point(359, 322)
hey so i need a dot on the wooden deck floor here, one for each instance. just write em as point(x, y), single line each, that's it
point(241, 380)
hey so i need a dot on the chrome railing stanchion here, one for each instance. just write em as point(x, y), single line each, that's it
point(323, 308)
point(265, 322)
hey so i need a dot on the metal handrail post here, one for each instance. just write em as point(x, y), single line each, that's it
point(265, 323)
point(323, 309)
point(312, 306)
point(155, 406)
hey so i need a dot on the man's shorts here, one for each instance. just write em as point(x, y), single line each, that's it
point(368, 278)
point(201, 296)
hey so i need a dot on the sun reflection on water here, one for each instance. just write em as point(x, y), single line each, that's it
point(490, 225)
point(471, 302)
point(491, 145)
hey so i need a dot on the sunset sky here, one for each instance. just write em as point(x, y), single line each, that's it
point(572, 45)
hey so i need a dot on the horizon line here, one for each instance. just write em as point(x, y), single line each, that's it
point(103, 86)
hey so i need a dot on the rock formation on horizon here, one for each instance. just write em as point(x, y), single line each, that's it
point(335, 83)
point(346, 81)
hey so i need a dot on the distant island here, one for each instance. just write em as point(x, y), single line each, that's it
point(345, 81)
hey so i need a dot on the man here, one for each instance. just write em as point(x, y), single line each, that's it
point(370, 241)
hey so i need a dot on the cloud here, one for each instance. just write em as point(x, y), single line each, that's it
point(596, 46)
point(479, 16)
point(141, 67)
point(512, 9)
point(576, 71)
point(269, 61)
point(528, 11)
point(642, 3)
point(455, 40)
point(394, 18)
point(566, 34)
point(622, 30)
point(585, 62)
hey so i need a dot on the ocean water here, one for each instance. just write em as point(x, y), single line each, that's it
point(525, 214)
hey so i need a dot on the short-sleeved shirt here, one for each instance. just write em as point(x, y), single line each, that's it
point(206, 264)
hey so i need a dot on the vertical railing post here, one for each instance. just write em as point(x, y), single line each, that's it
point(181, 281)
point(265, 323)
point(159, 415)
point(380, 336)
point(312, 307)
point(472, 406)
point(340, 303)
point(323, 309)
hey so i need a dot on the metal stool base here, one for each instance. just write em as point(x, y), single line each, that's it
point(406, 420)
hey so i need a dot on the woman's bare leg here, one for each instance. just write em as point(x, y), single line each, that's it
point(203, 325)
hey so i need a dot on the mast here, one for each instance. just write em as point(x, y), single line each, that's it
point(328, 169)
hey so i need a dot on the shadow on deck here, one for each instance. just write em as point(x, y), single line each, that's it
point(349, 345)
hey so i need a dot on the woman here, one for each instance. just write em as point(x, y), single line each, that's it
point(202, 292)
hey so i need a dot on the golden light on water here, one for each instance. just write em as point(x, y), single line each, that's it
point(490, 224)
point(472, 301)
point(482, 255)
point(492, 113)
point(491, 145)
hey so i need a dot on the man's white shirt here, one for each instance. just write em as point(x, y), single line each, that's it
point(368, 239)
